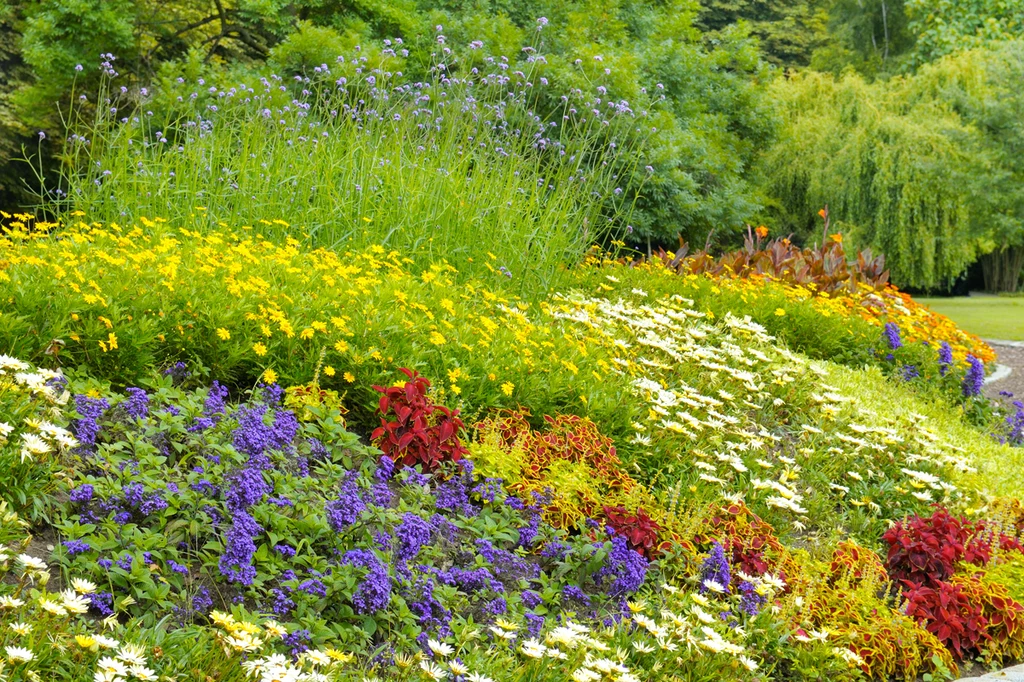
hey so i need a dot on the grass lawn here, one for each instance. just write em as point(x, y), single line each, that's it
point(990, 317)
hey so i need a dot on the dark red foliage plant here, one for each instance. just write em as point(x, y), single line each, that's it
point(639, 529)
point(413, 430)
point(947, 611)
point(925, 551)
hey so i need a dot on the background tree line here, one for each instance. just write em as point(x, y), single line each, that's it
point(904, 116)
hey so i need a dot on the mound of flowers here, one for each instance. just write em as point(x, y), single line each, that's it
point(835, 285)
point(334, 465)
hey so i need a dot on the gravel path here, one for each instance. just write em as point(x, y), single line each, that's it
point(1013, 357)
point(1015, 674)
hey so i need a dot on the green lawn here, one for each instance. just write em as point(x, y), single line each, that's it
point(990, 317)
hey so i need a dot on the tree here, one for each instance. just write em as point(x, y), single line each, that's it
point(788, 30)
point(983, 87)
point(870, 35)
point(893, 168)
point(948, 26)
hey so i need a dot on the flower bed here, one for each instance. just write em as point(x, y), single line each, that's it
point(334, 466)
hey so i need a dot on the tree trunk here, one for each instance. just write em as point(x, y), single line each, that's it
point(1001, 269)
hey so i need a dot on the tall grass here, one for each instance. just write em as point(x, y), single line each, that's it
point(491, 168)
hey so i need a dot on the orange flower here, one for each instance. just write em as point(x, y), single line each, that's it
point(762, 231)
point(837, 238)
point(823, 213)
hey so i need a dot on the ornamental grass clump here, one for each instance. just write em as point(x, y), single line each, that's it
point(485, 149)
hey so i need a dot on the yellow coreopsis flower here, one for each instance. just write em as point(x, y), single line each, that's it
point(779, 312)
point(329, 371)
point(437, 338)
point(224, 334)
point(259, 349)
point(306, 333)
point(349, 377)
point(508, 387)
point(270, 376)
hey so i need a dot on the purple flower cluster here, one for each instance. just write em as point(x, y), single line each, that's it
point(627, 568)
point(574, 593)
point(374, 593)
point(716, 568)
point(431, 613)
point(412, 533)
point(385, 469)
point(345, 510)
point(489, 489)
point(945, 358)
point(82, 494)
point(240, 548)
point(87, 427)
point(137, 404)
point(298, 642)
point(178, 373)
point(253, 436)
point(101, 602)
point(74, 547)
point(892, 335)
point(751, 602)
point(974, 378)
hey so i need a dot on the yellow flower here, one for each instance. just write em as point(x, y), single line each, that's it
point(349, 377)
point(341, 347)
point(508, 387)
point(259, 349)
point(87, 642)
point(329, 371)
point(270, 376)
point(306, 333)
point(110, 343)
point(437, 339)
point(779, 312)
point(224, 334)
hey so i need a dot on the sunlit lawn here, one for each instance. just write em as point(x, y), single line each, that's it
point(990, 317)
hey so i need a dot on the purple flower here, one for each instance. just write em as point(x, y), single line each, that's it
point(385, 469)
point(574, 593)
point(125, 562)
point(716, 568)
point(286, 551)
point(344, 511)
point(215, 398)
point(282, 605)
point(945, 358)
point(412, 533)
point(74, 547)
point(374, 593)
point(240, 547)
point(101, 602)
point(892, 335)
point(137, 405)
point(82, 494)
point(627, 568)
point(298, 641)
point(751, 602)
point(531, 599)
point(909, 372)
point(974, 379)
point(176, 567)
point(201, 601)
point(87, 427)
point(534, 625)
point(313, 587)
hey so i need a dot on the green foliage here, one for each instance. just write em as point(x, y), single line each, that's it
point(894, 169)
point(788, 30)
point(872, 36)
point(950, 26)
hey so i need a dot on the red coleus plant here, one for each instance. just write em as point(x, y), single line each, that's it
point(946, 610)
point(925, 551)
point(639, 529)
point(413, 430)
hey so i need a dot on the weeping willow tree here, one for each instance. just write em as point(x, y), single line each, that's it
point(984, 87)
point(890, 165)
